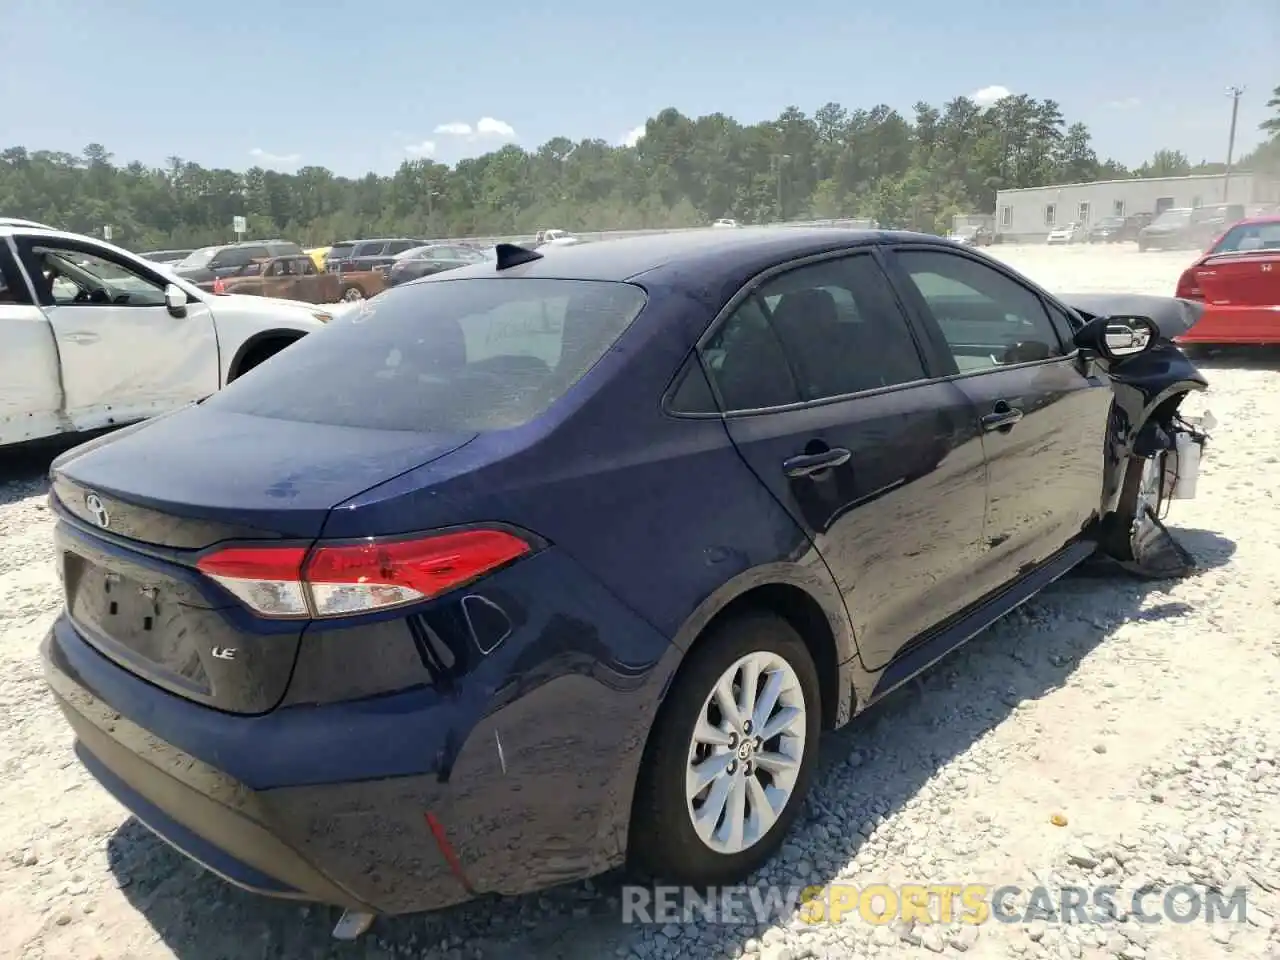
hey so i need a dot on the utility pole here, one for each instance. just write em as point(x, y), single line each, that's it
point(778, 159)
point(1234, 93)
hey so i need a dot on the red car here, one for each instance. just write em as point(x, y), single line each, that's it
point(1238, 281)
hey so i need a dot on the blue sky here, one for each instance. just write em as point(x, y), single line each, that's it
point(358, 87)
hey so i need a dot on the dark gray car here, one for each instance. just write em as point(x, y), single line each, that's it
point(432, 258)
point(209, 263)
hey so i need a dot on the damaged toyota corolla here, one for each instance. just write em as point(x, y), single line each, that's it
point(527, 570)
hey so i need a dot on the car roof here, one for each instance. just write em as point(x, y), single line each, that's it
point(690, 258)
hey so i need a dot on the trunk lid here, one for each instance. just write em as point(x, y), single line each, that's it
point(1241, 279)
point(143, 507)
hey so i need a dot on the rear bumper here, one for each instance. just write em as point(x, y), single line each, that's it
point(520, 778)
point(1231, 324)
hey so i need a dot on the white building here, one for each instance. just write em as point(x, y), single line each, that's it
point(1030, 213)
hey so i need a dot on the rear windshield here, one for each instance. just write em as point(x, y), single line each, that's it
point(458, 355)
point(1250, 236)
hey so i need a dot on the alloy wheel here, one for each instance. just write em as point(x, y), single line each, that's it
point(745, 753)
point(1149, 500)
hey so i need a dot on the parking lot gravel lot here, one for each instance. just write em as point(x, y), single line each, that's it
point(1113, 731)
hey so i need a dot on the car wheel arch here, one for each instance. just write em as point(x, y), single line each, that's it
point(259, 343)
point(813, 608)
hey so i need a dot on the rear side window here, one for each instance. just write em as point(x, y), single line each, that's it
point(842, 328)
point(340, 250)
point(12, 287)
point(462, 355)
point(369, 249)
point(747, 363)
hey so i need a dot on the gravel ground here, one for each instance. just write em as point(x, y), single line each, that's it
point(1142, 716)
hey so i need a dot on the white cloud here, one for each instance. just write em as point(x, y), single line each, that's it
point(989, 95)
point(632, 137)
point(1128, 103)
point(275, 159)
point(486, 128)
point(489, 127)
point(426, 148)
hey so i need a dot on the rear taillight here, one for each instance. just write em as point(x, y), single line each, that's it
point(219, 286)
point(1188, 287)
point(337, 580)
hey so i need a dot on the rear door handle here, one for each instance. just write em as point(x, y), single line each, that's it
point(1002, 417)
point(807, 464)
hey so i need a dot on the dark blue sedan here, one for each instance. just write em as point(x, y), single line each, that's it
point(526, 569)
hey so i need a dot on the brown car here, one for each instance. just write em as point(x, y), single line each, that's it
point(287, 278)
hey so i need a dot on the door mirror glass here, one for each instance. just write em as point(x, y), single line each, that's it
point(1118, 337)
point(175, 298)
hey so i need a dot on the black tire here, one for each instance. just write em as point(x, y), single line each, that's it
point(1124, 526)
point(663, 839)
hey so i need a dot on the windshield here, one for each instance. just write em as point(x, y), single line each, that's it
point(1245, 237)
point(198, 258)
point(474, 355)
point(1171, 218)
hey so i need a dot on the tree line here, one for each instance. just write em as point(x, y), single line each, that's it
point(912, 172)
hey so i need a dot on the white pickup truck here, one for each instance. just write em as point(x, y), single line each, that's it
point(92, 336)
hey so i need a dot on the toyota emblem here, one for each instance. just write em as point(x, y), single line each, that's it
point(97, 512)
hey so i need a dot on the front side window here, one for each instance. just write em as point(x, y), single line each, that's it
point(987, 319)
point(463, 355)
point(73, 278)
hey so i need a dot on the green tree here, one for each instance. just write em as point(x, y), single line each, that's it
point(911, 171)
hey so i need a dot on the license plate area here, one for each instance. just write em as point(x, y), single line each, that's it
point(136, 619)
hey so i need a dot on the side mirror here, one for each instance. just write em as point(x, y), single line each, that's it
point(1118, 337)
point(175, 300)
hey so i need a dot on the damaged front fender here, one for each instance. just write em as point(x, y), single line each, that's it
point(1147, 386)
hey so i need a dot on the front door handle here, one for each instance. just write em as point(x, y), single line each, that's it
point(1002, 417)
point(807, 464)
point(81, 336)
